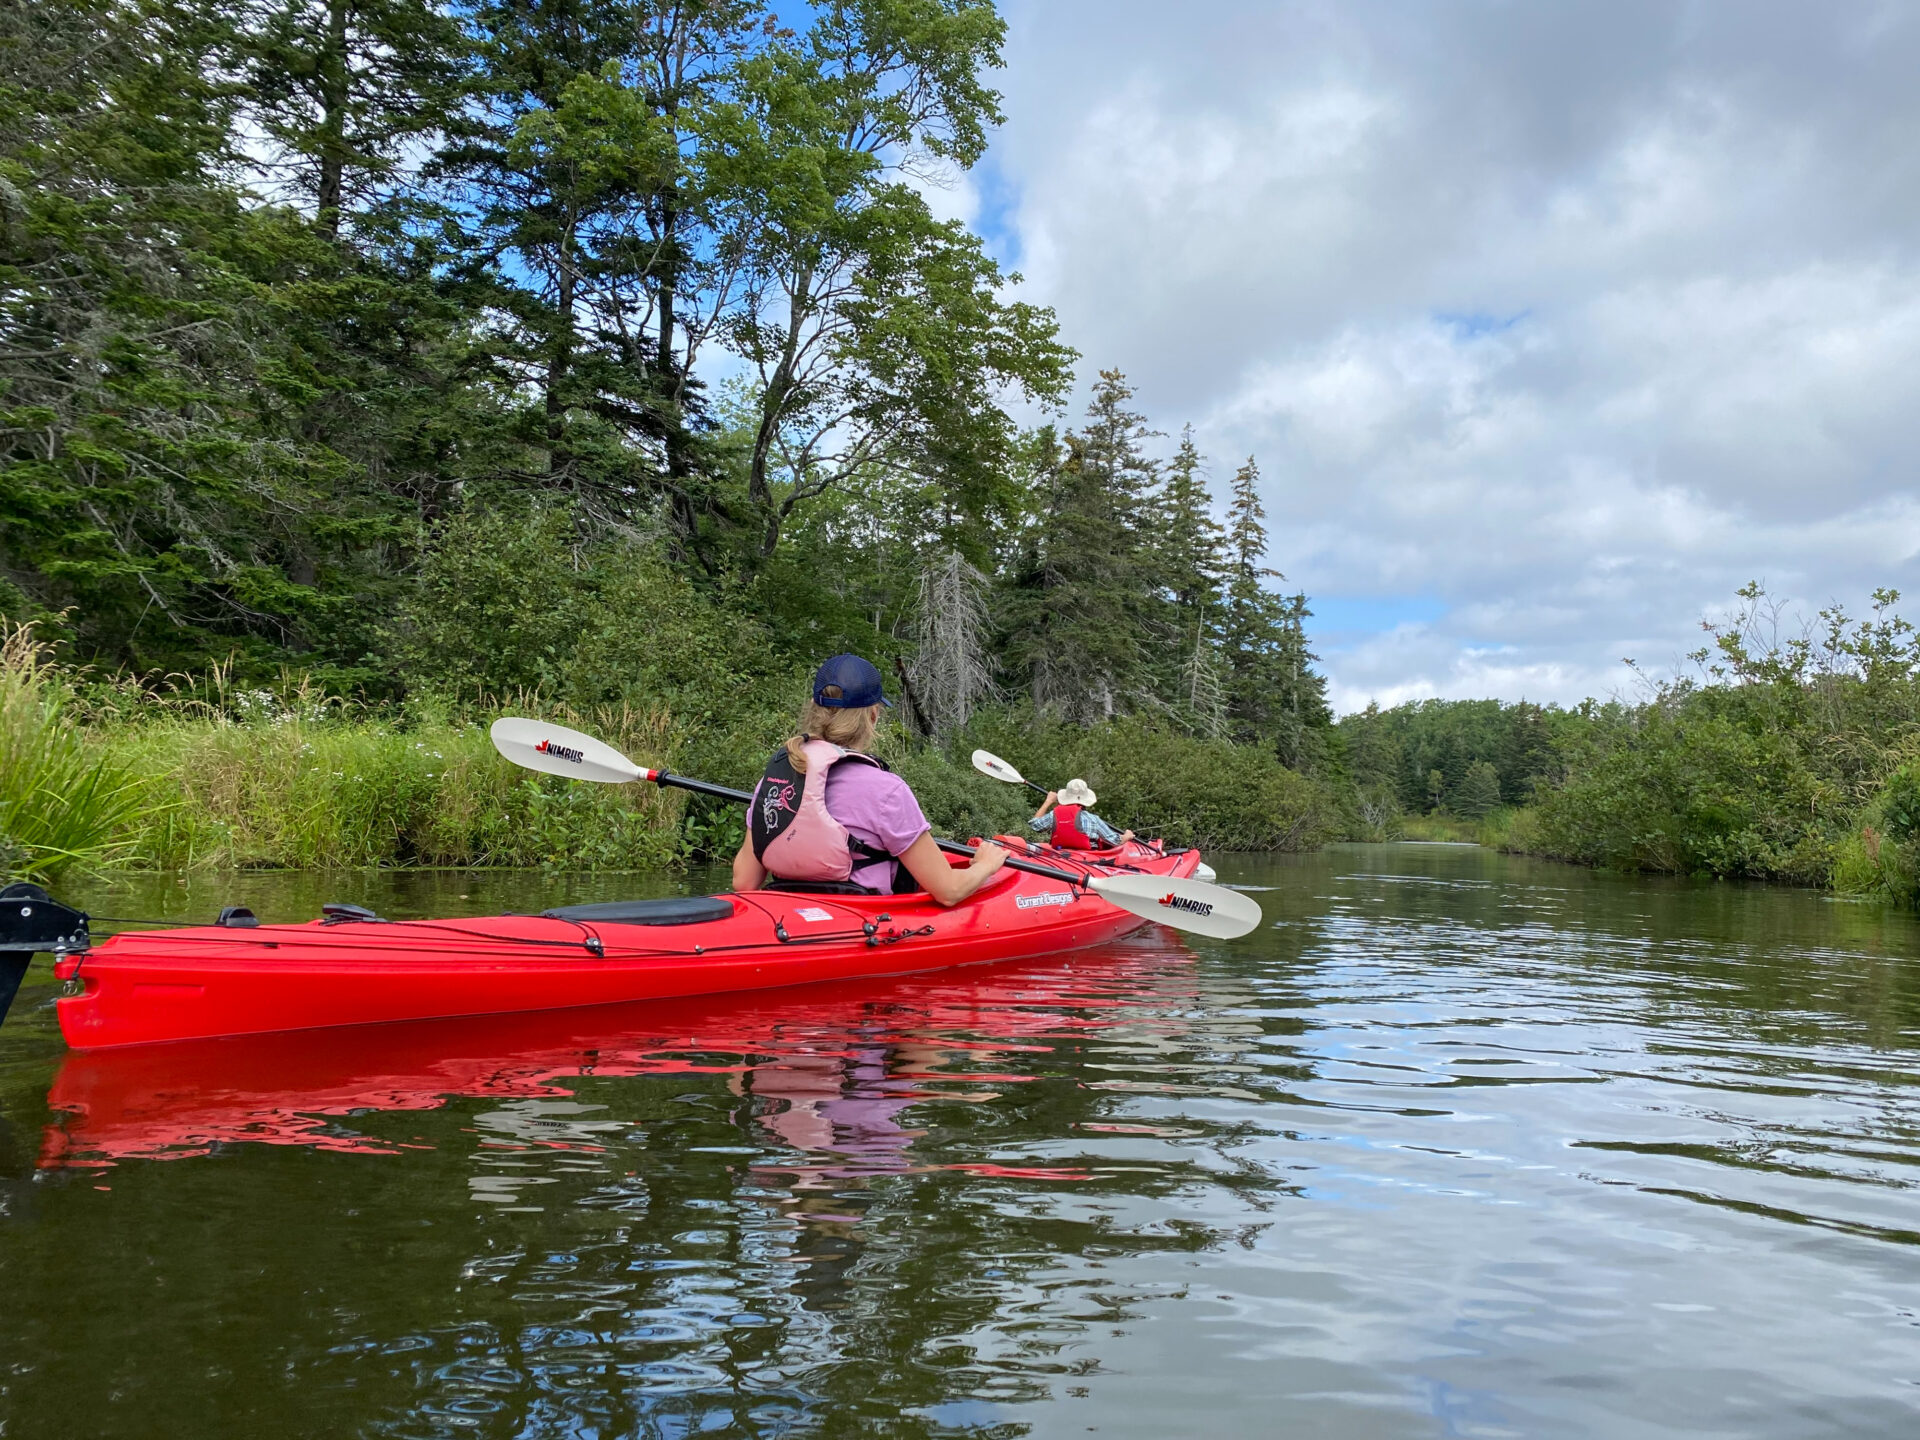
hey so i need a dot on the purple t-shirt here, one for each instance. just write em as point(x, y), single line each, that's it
point(878, 809)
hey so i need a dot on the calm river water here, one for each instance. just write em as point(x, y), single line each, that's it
point(1460, 1145)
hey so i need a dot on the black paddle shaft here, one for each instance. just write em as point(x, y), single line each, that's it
point(952, 847)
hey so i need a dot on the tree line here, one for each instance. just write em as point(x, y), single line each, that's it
point(1788, 750)
point(469, 348)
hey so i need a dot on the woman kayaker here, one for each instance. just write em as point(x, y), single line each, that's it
point(863, 826)
point(1066, 818)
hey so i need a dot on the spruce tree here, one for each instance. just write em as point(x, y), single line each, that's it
point(197, 389)
point(340, 89)
point(1478, 792)
point(1301, 714)
point(1187, 544)
point(580, 174)
point(1253, 623)
point(1087, 588)
point(1274, 696)
point(1188, 539)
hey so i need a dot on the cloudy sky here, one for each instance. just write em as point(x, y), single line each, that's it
point(1550, 323)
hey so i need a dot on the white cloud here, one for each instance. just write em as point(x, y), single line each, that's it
point(1566, 319)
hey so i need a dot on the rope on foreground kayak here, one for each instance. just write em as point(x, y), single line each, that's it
point(593, 942)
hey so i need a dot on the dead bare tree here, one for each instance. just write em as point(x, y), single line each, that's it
point(953, 671)
point(1206, 692)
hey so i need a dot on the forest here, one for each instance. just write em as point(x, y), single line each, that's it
point(369, 365)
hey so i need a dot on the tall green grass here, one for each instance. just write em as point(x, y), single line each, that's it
point(201, 775)
point(286, 791)
point(63, 802)
point(198, 774)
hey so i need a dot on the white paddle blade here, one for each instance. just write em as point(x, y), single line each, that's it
point(556, 750)
point(990, 764)
point(1191, 905)
point(1204, 871)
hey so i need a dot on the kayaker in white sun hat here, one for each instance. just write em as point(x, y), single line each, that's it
point(827, 814)
point(1066, 818)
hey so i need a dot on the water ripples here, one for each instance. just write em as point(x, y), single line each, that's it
point(1457, 1146)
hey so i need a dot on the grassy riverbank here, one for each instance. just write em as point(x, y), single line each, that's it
point(95, 774)
point(1794, 761)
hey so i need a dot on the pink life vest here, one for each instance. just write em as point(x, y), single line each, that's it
point(794, 834)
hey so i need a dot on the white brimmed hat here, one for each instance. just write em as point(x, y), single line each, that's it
point(1075, 792)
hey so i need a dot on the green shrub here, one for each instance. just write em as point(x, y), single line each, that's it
point(1157, 781)
point(1898, 804)
point(1881, 855)
point(958, 800)
point(1697, 785)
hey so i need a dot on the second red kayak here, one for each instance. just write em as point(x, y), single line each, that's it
point(141, 987)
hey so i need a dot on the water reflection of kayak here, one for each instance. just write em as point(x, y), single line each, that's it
point(302, 1088)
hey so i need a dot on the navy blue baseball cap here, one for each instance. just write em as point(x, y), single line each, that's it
point(858, 682)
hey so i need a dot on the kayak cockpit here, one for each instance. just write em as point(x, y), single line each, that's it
point(675, 910)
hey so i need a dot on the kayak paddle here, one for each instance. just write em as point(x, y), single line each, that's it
point(988, 763)
point(1192, 905)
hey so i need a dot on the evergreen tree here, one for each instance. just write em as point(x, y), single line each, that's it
point(553, 170)
point(1274, 696)
point(1088, 583)
point(162, 343)
point(1253, 625)
point(1478, 792)
point(1187, 543)
point(340, 88)
point(1301, 714)
point(1188, 539)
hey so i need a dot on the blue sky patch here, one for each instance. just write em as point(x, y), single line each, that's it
point(1473, 324)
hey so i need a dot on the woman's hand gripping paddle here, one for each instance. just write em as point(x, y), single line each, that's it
point(1191, 905)
point(988, 763)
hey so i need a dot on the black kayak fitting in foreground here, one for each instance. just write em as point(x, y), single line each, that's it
point(32, 921)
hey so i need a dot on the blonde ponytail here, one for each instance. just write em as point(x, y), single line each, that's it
point(849, 729)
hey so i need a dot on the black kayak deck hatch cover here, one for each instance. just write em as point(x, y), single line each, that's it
point(678, 910)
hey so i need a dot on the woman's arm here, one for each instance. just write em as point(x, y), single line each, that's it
point(748, 872)
point(1053, 797)
point(939, 879)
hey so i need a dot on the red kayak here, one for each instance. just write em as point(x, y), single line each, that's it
point(353, 968)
